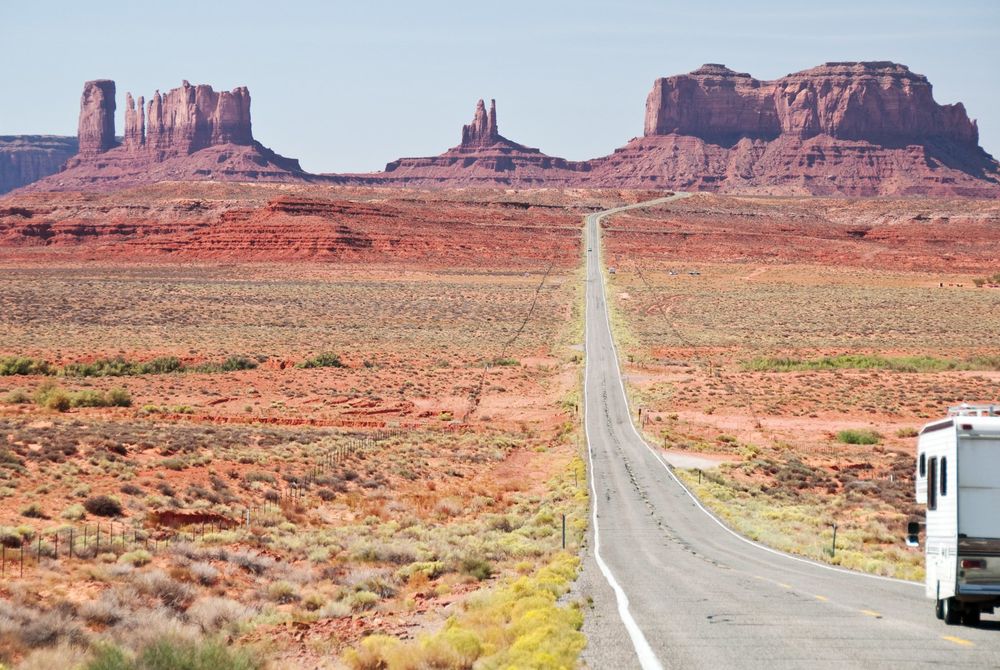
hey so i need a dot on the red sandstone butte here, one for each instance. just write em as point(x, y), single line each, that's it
point(190, 133)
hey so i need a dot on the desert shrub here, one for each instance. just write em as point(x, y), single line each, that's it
point(107, 609)
point(103, 506)
point(158, 584)
point(334, 610)
point(234, 363)
point(213, 614)
point(53, 397)
point(176, 654)
point(136, 558)
point(909, 431)
point(476, 567)
point(362, 600)
point(859, 436)
point(89, 398)
point(10, 460)
point(20, 365)
point(131, 490)
point(162, 365)
point(204, 573)
point(282, 592)
point(326, 494)
point(256, 564)
point(34, 511)
point(17, 397)
point(505, 361)
point(119, 397)
point(74, 512)
point(324, 360)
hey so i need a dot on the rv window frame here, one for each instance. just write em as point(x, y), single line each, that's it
point(943, 474)
point(932, 483)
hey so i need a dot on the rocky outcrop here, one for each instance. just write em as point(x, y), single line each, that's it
point(482, 132)
point(190, 133)
point(189, 118)
point(96, 130)
point(28, 158)
point(484, 157)
point(879, 102)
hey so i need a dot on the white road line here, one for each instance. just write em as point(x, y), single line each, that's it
point(694, 498)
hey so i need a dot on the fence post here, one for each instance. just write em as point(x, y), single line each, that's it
point(71, 541)
point(563, 531)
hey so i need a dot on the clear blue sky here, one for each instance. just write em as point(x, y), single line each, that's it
point(348, 86)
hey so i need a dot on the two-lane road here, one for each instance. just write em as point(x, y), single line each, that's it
point(674, 588)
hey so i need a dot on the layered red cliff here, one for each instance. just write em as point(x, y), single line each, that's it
point(841, 128)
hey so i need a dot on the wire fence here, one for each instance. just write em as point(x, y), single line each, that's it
point(159, 530)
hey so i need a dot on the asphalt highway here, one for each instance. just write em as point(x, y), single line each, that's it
point(672, 587)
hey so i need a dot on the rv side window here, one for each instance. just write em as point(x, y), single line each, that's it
point(923, 465)
point(932, 484)
point(944, 475)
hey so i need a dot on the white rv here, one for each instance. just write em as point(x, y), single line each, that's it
point(958, 479)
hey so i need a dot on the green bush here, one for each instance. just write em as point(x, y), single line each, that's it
point(859, 436)
point(324, 360)
point(477, 567)
point(19, 365)
point(119, 397)
point(53, 397)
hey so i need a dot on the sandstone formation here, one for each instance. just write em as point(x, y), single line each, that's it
point(879, 102)
point(485, 157)
point(190, 133)
point(841, 128)
point(28, 158)
point(96, 131)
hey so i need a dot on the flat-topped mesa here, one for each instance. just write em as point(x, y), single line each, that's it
point(880, 102)
point(482, 132)
point(96, 129)
point(189, 118)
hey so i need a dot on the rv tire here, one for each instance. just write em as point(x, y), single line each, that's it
point(939, 609)
point(952, 612)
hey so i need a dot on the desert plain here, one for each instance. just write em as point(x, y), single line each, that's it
point(336, 427)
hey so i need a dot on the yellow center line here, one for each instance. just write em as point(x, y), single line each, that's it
point(958, 640)
point(872, 613)
point(784, 586)
point(822, 598)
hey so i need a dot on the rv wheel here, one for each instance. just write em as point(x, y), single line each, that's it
point(939, 609)
point(952, 612)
